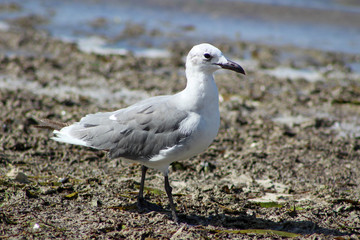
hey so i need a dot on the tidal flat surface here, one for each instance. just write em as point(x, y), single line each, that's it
point(286, 159)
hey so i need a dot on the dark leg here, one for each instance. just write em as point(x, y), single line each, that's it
point(140, 202)
point(168, 190)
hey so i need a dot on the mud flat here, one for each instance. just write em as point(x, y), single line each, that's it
point(285, 162)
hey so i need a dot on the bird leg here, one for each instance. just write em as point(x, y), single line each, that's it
point(168, 190)
point(140, 202)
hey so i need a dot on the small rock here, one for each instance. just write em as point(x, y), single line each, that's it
point(31, 194)
point(64, 180)
point(22, 178)
point(36, 226)
point(96, 203)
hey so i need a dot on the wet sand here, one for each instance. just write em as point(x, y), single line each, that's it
point(286, 158)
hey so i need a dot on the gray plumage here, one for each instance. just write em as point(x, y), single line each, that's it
point(138, 133)
point(160, 130)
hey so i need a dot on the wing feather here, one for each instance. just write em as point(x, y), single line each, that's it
point(137, 132)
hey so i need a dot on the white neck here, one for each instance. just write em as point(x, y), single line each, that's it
point(201, 92)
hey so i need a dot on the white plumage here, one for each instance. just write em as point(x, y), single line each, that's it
point(160, 130)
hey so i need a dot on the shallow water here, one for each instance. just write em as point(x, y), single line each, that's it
point(346, 6)
point(74, 20)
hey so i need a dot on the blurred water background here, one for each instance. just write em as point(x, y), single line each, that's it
point(330, 25)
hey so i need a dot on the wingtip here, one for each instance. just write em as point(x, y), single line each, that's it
point(50, 124)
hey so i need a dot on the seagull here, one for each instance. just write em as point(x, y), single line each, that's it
point(159, 130)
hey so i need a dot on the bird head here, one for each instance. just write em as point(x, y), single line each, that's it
point(208, 58)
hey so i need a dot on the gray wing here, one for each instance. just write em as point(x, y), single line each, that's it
point(137, 132)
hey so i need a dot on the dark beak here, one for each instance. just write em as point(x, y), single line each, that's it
point(232, 66)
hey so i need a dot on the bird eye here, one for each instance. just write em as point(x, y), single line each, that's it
point(207, 56)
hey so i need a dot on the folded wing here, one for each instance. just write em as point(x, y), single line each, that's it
point(138, 132)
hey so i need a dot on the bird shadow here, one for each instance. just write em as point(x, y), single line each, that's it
point(243, 221)
point(147, 206)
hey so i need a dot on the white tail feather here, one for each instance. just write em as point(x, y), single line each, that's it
point(64, 135)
